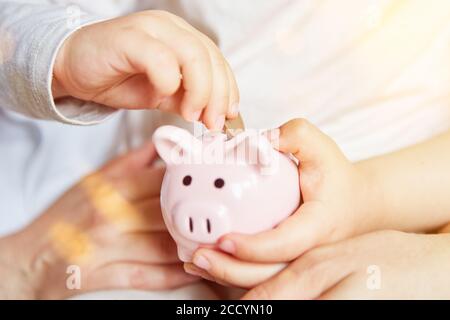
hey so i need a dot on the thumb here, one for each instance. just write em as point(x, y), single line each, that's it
point(302, 231)
point(305, 142)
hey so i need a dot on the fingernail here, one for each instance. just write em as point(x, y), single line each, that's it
point(227, 246)
point(234, 108)
point(220, 122)
point(195, 115)
point(192, 272)
point(202, 262)
point(209, 278)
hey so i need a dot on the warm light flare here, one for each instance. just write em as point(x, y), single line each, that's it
point(70, 242)
point(111, 204)
point(73, 243)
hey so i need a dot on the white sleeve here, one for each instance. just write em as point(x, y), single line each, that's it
point(30, 36)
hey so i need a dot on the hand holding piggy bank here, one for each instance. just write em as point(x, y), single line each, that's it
point(214, 186)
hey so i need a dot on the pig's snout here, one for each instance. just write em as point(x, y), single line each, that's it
point(201, 222)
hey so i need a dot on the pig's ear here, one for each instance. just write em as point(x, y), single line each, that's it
point(266, 158)
point(256, 149)
point(175, 145)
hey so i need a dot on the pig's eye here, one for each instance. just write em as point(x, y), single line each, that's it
point(187, 180)
point(219, 183)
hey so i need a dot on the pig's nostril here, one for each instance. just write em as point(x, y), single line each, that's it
point(208, 225)
point(191, 225)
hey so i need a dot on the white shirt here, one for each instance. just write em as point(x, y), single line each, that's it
point(373, 74)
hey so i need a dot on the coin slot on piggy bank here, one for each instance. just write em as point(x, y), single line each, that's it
point(214, 186)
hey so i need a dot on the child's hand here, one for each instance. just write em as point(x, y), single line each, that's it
point(146, 60)
point(379, 265)
point(335, 199)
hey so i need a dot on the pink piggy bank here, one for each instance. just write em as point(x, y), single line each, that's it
point(214, 186)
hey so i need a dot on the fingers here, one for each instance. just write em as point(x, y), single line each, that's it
point(153, 58)
point(307, 143)
point(128, 275)
point(233, 109)
point(223, 268)
point(306, 278)
point(225, 95)
point(143, 247)
point(209, 89)
point(197, 78)
point(297, 234)
point(194, 62)
point(224, 101)
point(215, 112)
